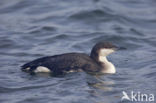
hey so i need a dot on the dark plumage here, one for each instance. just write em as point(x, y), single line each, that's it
point(59, 64)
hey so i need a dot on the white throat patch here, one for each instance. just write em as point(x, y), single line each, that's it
point(108, 66)
point(105, 52)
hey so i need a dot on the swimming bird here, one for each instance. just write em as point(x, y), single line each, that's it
point(75, 62)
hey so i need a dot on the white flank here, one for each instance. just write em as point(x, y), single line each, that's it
point(41, 69)
point(27, 69)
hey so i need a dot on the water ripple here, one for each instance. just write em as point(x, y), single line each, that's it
point(33, 29)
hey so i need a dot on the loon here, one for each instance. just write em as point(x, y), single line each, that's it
point(75, 62)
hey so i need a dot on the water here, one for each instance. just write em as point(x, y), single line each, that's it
point(30, 29)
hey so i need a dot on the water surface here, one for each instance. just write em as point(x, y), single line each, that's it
point(30, 29)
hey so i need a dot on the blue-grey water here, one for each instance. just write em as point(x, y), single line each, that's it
point(30, 29)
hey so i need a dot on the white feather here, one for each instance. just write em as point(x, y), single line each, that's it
point(108, 66)
point(41, 69)
point(105, 52)
point(27, 69)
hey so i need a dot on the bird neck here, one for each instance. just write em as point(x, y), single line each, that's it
point(107, 67)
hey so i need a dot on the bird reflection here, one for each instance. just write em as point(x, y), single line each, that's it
point(99, 83)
